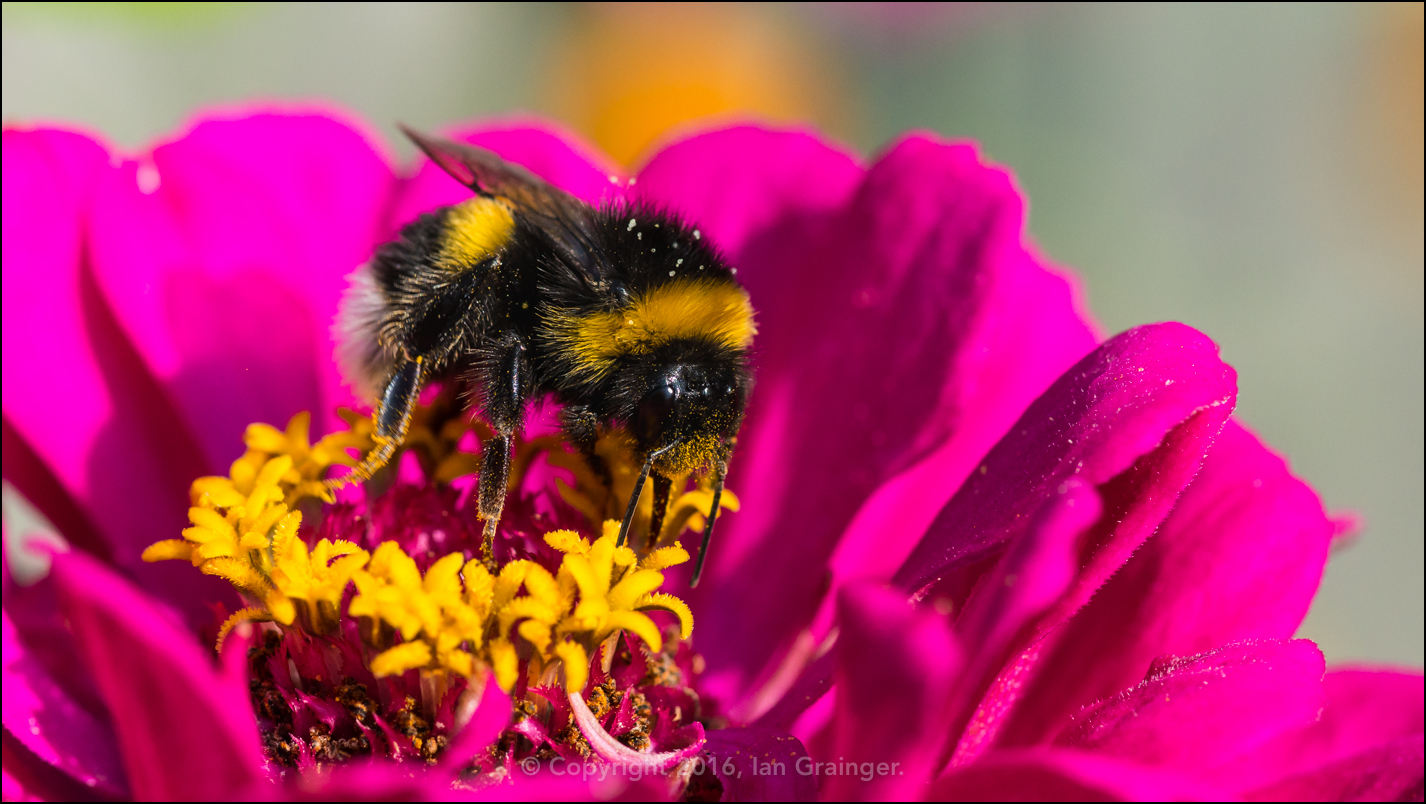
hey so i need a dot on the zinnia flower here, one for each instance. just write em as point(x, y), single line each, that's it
point(979, 553)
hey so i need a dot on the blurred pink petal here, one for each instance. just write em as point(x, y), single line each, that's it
point(750, 753)
point(186, 728)
point(1387, 772)
point(75, 391)
point(1366, 710)
point(491, 716)
point(1240, 557)
point(1058, 774)
point(42, 716)
point(26, 777)
point(896, 667)
point(740, 184)
point(1196, 713)
point(223, 254)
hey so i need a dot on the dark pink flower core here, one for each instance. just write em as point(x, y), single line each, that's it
point(381, 623)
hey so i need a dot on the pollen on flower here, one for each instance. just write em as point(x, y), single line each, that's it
point(392, 588)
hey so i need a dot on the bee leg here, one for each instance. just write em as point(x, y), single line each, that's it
point(507, 379)
point(639, 490)
point(662, 487)
point(633, 502)
point(720, 471)
point(494, 473)
point(582, 426)
point(392, 418)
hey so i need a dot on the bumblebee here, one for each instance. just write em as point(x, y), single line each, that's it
point(622, 313)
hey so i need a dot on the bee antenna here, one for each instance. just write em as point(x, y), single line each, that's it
point(708, 527)
point(638, 489)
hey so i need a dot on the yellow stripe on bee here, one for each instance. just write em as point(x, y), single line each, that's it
point(714, 310)
point(475, 229)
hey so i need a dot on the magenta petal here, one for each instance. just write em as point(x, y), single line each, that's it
point(1389, 772)
point(26, 777)
point(759, 764)
point(896, 666)
point(1038, 567)
point(1240, 557)
point(1365, 711)
point(75, 391)
point(1200, 712)
point(186, 729)
point(1057, 774)
point(50, 372)
point(883, 300)
point(1152, 398)
point(491, 716)
point(52, 725)
point(740, 183)
point(224, 253)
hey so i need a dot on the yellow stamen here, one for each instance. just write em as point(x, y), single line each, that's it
point(403, 657)
point(576, 665)
point(246, 615)
point(457, 617)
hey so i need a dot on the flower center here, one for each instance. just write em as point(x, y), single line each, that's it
point(381, 623)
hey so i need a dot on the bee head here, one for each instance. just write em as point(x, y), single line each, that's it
point(690, 413)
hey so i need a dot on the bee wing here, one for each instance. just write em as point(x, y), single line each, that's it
point(557, 212)
point(486, 173)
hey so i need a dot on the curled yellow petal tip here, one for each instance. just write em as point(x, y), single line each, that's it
point(168, 549)
point(403, 657)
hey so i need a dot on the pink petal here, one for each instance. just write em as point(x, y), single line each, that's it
point(34, 613)
point(896, 666)
point(1141, 410)
point(1239, 558)
point(887, 303)
point(223, 254)
point(26, 777)
point(1134, 419)
point(39, 486)
point(1197, 713)
point(186, 729)
point(559, 157)
point(1366, 710)
point(79, 399)
point(1058, 774)
point(50, 373)
point(1389, 772)
point(52, 725)
point(759, 764)
point(491, 716)
point(741, 184)
point(1038, 567)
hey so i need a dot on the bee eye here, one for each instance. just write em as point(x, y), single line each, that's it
point(654, 411)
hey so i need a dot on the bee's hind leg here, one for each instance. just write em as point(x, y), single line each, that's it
point(506, 379)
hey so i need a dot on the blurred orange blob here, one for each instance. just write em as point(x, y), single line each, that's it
point(624, 74)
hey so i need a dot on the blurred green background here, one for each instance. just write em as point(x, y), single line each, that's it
point(1255, 171)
